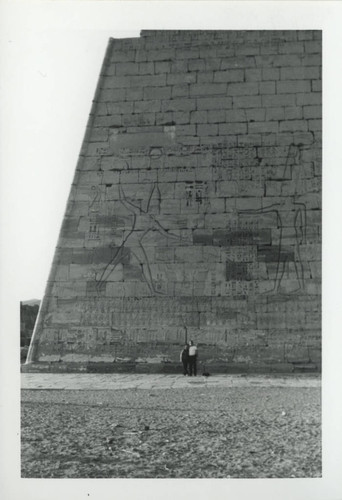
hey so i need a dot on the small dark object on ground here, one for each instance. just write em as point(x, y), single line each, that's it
point(206, 374)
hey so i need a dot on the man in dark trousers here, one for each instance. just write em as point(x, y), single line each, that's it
point(184, 358)
point(192, 358)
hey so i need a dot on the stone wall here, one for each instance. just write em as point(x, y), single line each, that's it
point(195, 211)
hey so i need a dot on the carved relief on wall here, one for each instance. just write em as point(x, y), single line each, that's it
point(270, 236)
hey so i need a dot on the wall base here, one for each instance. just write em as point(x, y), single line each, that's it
point(101, 367)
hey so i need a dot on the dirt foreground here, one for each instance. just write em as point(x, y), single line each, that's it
point(195, 431)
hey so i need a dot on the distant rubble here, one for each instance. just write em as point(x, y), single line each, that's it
point(28, 314)
point(32, 302)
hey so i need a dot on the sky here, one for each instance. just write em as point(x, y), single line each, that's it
point(50, 58)
point(51, 79)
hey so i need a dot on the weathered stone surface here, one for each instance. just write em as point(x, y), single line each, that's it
point(195, 210)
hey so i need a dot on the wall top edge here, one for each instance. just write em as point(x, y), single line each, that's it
point(154, 39)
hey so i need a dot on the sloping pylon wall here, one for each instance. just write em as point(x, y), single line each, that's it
point(195, 211)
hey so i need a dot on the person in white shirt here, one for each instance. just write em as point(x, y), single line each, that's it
point(192, 358)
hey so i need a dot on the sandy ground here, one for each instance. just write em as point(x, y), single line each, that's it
point(192, 431)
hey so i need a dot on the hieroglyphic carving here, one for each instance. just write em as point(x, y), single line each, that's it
point(238, 165)
point(196, 193)
point(288, 212)
point(151, 209)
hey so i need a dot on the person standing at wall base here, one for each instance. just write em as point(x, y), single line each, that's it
point(184, 358)
point(192, 358)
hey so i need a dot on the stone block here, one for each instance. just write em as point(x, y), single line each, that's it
point(129, 176)
point(123, 56)
point(110, 95)
point(232, 128)
point(167, 176)
point(164, 118)
point(179, 105)
point(250, 140)
point(134, 93)
point(147, 81)
point(187, 53)
point(186, 174)
point(294, 113)
point(161, 54)
point(151, 106)
point(203, 174)
point(263, 127)
point(305, 35)
point(259, 354)
point(315, 355)
point(162, 66)
point(314, 47)
point(243, 89)
point(209, 89)
point(189, 254)
point(312, 112)
point(296, 354)
point(196, 64)
point(311, 252)
point(246, 102)
point(291, 48)
point(270, 74)
point(315, 125)
point(248, 203)
point(180, 91)
point(213, 64)
point(134, 142)
point(203, 237)
point(236, 115)
point(117, 82)
point(96, 149)
point(273, 188)
point(267, 88)
point(205, 77)
point(312, 59)
point(216, 116)
point(199, 117)
point(216, 205)
point(181, 117)
point(237, 62)
point(181, 78)
point(206, 129)
point(247, 50)
point(300, 73)
point(275, 101)
point(170, 207)
point(216, 221)
point(229, 76)
point(278, 60)
point(293, 86)
point(293, 126)
point(179, 66)
point(138, 120)
point(205, 103)
point(126, 68)
point(146, 68)
point(255, 115)
point(182, 130)
point(226, 188)
point(211, 253)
